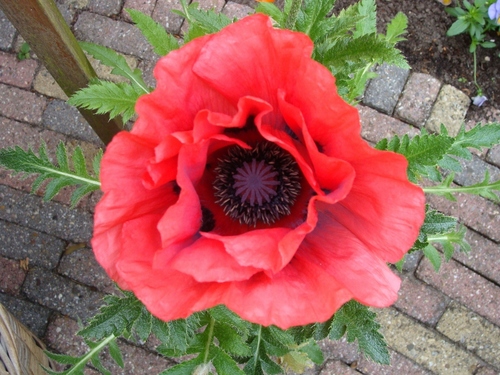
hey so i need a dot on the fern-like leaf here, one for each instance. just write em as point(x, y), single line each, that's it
point(120, 67)
point(156, 35)
point(59, 175)
point(107, 97)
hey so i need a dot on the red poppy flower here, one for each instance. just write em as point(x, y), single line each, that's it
point(245, 182)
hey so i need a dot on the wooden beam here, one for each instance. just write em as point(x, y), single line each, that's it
point(41, 24)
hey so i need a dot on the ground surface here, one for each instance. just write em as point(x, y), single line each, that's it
point(430, 51)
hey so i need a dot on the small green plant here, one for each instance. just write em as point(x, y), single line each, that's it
point(24, 52)
point(475, 19)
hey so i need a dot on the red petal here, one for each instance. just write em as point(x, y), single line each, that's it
point(167, 293)
point(263, 60)
point(125, 196)
point(179, 95)
point(206, 260)
point(341, 254)
point(301, 293)
point(383, 209)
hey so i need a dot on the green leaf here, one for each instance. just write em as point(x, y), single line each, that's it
point(272, 11)
point(176, 335)
point(78, 363)
point(184, 368)
point(223, 363)
point(201, 22)
point(120, 67)
point(156, 35)
point(368, 10)
point(117, 317)
point(61, 175)
point(421, 151)
point(436, 222)
point(485, 188)
point(458, 27)
point(433, 255)
point(107, 97)
point(396, 28)
point(358, 322)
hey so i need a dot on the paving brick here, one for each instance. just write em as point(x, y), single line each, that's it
point(61, 336)
point(120, 36)
point(340, 350)
point(13, 133)
point(45, 84)
point(399, 365)
point(484, 258)
point(473, 171)
point(420, 301)
point(19, 242)
point(143, 6)
point(419, 94)
point(464, 286)
point(376, 126)
point(105, 7)
point(472, 331)
point(21, 105)
point(49, 217)
point(7, 32)
point(493, 155)
point(61, 294)
point(235, 10)
point(449, 109)
point(81, 265)
point(424, 346)
point(164, 16)
point(384, 91)
point(477, 213)
point(11, 276)
point(65, 119)
point(411, 261)
point(15, 72)
point(484, 370)
point(216, 5)
point(136, 361)
point(33, 316)
point(337, 368)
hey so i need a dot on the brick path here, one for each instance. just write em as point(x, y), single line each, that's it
point(446, 323)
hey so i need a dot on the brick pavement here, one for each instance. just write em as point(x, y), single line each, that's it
point(446, 323)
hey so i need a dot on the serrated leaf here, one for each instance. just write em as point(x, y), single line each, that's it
point(421, 151)
point(396, 28)
point(115, 353)
point(313, 351)
point(367, 9)
point(358, 322)
point(107, 97)
point(117, 317)
point(184, 368)
point(176, 336)
point(156, 35)
point(223, 363)
point(433, 255)
point(231, 340)
point(436, 222)
point(120, 67)
point(28, 162)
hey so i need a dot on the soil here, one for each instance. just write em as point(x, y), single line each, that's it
point(429, 50)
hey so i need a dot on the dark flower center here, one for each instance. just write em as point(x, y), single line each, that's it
point(257, 185)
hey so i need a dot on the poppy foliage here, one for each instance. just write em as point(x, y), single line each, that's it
point(245, 182)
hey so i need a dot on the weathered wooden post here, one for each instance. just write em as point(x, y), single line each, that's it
point(41, 24)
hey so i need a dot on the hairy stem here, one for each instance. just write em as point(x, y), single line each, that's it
point(293, 14)
point(209, 340)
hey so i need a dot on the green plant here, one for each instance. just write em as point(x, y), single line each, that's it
point(473, 19)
